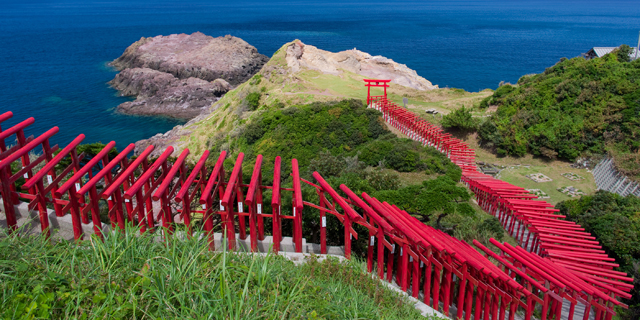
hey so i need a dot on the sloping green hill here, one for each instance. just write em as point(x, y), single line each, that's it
point(577, 107)
point(277, 86)
point(345, 128)
point(350, 144)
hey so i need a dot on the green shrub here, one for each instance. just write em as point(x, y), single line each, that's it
point(461, 119)
point(89, 150)
point(503, 90)
point(354, 173)
point(493, 226)
point(255, 80)
point(485, 103)
point(440, 195)
point(253, 100)
point(253, 131)
point(402, 158)
point(624, 53)
point(383, 180)
point(343, 129)
point(326, 164)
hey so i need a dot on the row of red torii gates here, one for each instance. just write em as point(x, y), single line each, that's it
point(446, 273)
point(562, 261)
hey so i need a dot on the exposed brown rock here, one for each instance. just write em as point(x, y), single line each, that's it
point(196, 55)
point(180, 75)
point(160, 93)
point(300, 55)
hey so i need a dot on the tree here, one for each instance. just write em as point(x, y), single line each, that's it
point(576, 107)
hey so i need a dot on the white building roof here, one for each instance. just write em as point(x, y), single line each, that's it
point(601, 51)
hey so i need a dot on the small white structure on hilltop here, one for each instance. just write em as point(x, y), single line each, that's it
point(598, 52)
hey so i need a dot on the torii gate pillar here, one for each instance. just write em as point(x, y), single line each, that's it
point(375, 83)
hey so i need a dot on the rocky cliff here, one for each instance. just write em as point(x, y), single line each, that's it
point(160, 93)
point(196, 55)
point(180, 75)
point(300, 56)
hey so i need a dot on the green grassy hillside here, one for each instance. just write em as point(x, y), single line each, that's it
point(577, 107)
point(345, 128)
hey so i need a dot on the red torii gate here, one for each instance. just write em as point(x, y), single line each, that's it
point(376, 83)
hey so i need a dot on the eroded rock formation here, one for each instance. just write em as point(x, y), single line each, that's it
point(160, 93)
point(300, 55)
point(180, 75)
point(196, 55)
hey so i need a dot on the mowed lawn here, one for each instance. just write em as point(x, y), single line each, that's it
point(517, 169)
point(517, 175)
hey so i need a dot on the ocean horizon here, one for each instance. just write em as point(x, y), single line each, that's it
point(55, 54)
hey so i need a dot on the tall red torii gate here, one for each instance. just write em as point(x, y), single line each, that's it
point(376, 84)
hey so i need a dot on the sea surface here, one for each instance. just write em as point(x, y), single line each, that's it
point(54, 54)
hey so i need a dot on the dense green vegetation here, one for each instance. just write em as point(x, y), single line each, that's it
point(342, 129)
point(577, 107)
point(136, 277)
point(253, 100)
point(89, 150)
point(615, 222)
point(349, 144)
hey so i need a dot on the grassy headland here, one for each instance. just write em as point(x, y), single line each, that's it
point(276, 86)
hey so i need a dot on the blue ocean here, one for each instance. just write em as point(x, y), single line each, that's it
point(54, 54)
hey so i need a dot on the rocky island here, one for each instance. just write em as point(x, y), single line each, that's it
point(180, 75)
